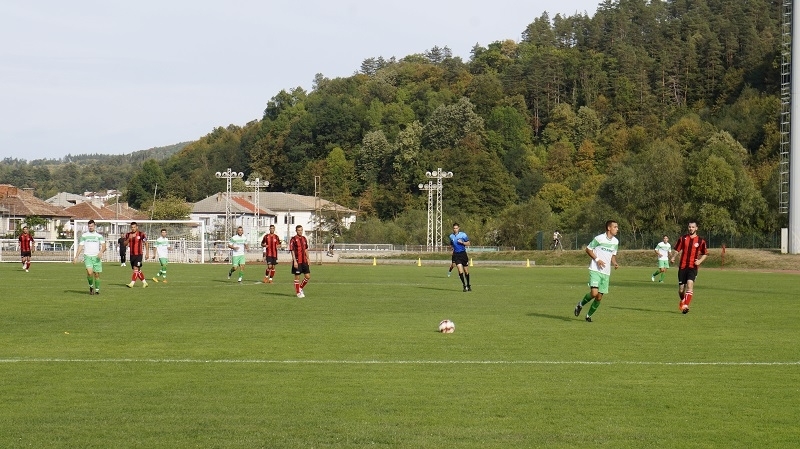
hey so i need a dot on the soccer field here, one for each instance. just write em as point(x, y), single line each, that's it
point(205, 362)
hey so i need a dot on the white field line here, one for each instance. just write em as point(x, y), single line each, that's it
point(393, 362)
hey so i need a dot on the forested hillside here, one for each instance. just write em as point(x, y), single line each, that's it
point(80, 173)
point(649, 112)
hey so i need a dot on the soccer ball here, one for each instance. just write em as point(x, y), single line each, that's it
point(447, 327)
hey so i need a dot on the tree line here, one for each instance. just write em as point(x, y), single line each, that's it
point(649, 112)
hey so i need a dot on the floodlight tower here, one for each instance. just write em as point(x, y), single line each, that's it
point(256, 184)
point(429, 241)
point(229, 175)
point(438, 175)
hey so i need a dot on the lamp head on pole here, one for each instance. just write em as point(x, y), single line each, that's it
point(229, 174)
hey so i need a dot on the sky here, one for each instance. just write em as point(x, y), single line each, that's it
point(98, 76)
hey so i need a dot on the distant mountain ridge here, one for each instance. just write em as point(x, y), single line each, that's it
point(157, 153)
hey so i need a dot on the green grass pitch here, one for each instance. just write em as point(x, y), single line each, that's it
point(203, 362)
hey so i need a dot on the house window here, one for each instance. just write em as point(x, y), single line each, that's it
point(288, 219)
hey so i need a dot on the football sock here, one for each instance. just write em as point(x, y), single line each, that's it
point(303, 283)
point(687, 298)
point(141, 275)
point(90, 280)
point(467, 276)
point(241, 274)
point(654, 274)
point(272, 273)
point(594, 307)
point(134, 276)
point(586, 299)
point(461, 275)
point(232, 270)
point(97, 284)
point(662, 277)
point(297, 286)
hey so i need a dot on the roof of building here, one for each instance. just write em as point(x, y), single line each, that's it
point(215, 204)
point(244, 202)
point(66, 199)
point(250, 207)
point(21, 203)
point(89, 210)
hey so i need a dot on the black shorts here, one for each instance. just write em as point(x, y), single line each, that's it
point(136, 261)
point(686, 274)
point(461, 259)
point(272, 260)
point(25, 254)
point(302, 268)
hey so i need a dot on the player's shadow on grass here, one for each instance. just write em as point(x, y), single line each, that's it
point(451, 289)
point(553, 317)
point(640, 309)
point(286, 295)
point(79, 292)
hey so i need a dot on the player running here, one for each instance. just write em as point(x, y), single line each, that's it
point(92, 245)
point(270, 242)
point(298, 246)
point(238, 243)
point(693, 251)
point(161, 249)
point(26, 248)
point(139, 251)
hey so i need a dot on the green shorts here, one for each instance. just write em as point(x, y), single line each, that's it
point(599, 281)
point(93, 263)
point(237, 260)
point(663, 264)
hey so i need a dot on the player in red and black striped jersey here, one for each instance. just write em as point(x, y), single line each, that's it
point(139, 251)
point(298, 246)
point(270, 242)
point(693, 251)
point(26, 245)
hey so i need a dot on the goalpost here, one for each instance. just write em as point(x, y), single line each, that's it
point(186, 237)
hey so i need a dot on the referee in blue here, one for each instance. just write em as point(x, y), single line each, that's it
point(459, 241)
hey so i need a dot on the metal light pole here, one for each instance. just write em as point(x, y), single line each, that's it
point(437, 235)
point(429, 241)
point(317, 216)
point(256, 184)
point(228, 175)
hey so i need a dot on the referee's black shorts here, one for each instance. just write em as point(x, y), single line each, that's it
point(461, 259)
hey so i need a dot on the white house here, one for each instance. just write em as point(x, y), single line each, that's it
point(284, 210)
point(17, 204)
